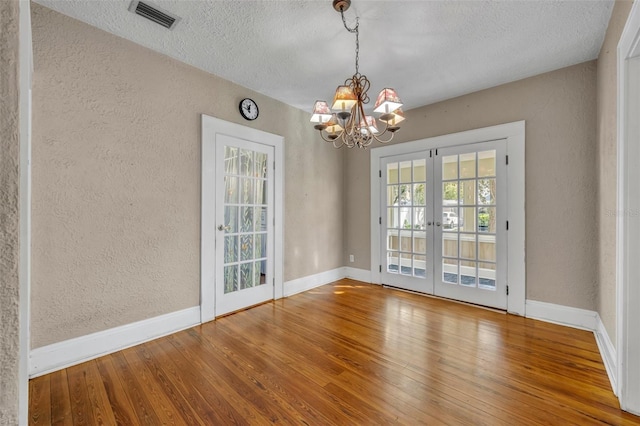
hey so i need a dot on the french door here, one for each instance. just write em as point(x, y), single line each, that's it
point(444, 223)
point(244, 190)
point(241, 231)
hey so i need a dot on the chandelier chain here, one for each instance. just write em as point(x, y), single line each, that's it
point(355, 30)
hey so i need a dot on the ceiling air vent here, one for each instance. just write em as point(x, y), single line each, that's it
point(154, 13)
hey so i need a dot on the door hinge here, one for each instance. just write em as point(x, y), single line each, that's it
point(380, 268)
point(430, 153)
point(507, 225)
point(436, 152)
point(507, 290)
point(380, 220)
point(380, 173)
point(507, 159)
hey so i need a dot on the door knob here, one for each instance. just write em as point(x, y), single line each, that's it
point(437, 223)
point(429, 223)
point(224, 228)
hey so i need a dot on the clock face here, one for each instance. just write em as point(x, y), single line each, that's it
point(249, 109)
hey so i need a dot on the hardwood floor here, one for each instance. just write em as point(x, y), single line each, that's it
point(345, 353)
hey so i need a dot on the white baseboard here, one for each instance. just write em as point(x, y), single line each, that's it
point(312, 281)
point(559, 314)
point(582, 319)
point(357, 274)
point(608, 353)
point(70, 352)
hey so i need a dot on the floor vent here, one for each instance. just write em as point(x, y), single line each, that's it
point(154, 13)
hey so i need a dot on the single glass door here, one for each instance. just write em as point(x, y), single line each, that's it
point(244, 217)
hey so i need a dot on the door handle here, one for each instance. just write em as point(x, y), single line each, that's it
point(429, 223)
point(224, 228)
point(437, 223)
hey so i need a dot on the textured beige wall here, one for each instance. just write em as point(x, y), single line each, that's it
point(607, 166)
point(561, 187)
point(9, 213)
point(116, 180)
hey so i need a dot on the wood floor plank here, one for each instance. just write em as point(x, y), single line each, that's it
point(60, 399)
point(345, 353)
point(40, 401)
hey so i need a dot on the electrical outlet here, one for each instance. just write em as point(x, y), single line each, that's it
point(352, 258)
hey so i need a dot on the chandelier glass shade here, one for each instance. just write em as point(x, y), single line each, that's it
point(345, 123)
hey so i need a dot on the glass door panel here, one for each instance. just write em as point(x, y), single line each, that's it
point(406, 215)
point(471, 235)
point(246, 188)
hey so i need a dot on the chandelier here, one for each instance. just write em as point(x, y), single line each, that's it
point(349, 125)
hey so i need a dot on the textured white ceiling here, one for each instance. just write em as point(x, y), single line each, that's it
point(298, 51)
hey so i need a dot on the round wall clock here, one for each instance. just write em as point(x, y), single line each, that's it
point(249, 109)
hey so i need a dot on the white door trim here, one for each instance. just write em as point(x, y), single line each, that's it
point(211, 126)
point(628, 209)
point(514, 133)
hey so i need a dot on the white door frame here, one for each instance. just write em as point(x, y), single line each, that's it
point(628, 218)
point(210, 127)
point(514, 133)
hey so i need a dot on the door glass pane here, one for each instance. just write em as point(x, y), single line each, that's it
point(246, 162)
point(486, 191)
point(468, 273)
point(468, 192)
point(420, 266)
point(230, 278)
point(468, 246)
point(231, 249)
point(487, 275)
point(259, 247)
point(230, 160)
point(260, 165)
point(419, 194)
point(450, 271)
point(392, 261)
point(230, 190)
point(230, 219)
point(246, 191)
point(419, 242)
point(260, 194)
point(487, 163)
point(260, 217)
point(405, 241)
point(450, 167)
point(246, 216)
point(450, 244)
point(393, 220)
point(392, 240)
point(467, 219)
point(418, 218)
point(392, 173)
point(487, 248)
point(450, 218)
point(392, 194)
point(450, 193)
point(246, 247)
point(487, 219)
point(246, 275)
point(405, 172)
point(420, 170)
point(405, 264)
point(468, 165)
